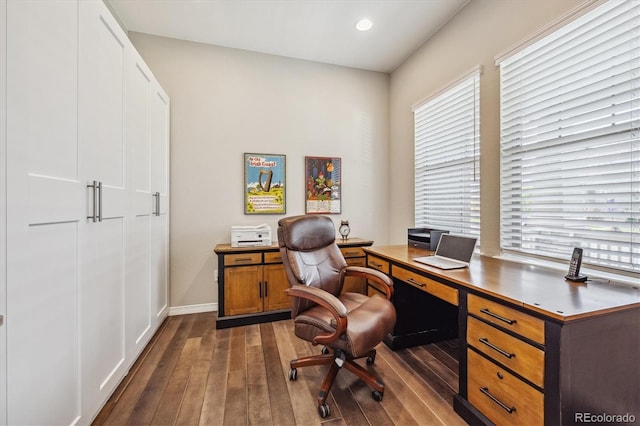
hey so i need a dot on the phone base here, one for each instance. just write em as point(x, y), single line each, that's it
point(577, 278)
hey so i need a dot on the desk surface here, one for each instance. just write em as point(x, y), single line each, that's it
point(535, 288)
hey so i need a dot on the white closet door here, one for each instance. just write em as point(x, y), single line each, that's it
point(159, 238)
point(3, 219)
point(103, 243)
point(44, 213)
point(138, 290)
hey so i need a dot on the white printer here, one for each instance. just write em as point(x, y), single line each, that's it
point(251, 236)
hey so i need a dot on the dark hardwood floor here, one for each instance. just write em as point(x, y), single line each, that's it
point(193, 374)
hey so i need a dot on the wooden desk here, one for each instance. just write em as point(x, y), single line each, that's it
point(251, 282)
point(535, 349)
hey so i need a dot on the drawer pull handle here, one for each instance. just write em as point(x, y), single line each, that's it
point(495, 348)
point(377, 265)
point(351, 253)
point(243, 259)
point(412, 281)
point(502, 405)
point(498, 317)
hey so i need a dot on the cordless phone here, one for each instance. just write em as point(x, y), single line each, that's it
point(574, 266)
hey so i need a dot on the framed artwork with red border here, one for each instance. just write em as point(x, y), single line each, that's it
point(323, 185)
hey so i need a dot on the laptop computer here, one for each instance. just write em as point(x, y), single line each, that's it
point(453, 252)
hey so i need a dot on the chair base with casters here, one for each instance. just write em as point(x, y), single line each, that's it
point(336, 361)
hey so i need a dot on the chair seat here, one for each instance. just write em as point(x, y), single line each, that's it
point(370, 320)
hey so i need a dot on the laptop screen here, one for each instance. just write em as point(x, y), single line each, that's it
point(456, 247)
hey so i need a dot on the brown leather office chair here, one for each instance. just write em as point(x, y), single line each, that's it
point(348, 325)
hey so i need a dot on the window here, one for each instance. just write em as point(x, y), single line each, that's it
point(447, 179)
point(570, 141)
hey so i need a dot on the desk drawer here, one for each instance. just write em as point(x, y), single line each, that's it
point(519, 356)
point(348, 252)
point(379, 264)
point(502, 397)
point(507, 318)
point(242, 259)
point(272, 257)
point(441, 291)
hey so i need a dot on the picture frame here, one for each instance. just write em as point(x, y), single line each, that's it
point(323, 185)
point(264, 184)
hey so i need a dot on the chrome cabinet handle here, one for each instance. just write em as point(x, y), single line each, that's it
point(498, 317)
point(157, 197)
point(502, 405)
point(495, 348)
point(99, 202)
point(94, 187)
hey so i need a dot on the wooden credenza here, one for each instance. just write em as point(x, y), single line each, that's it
point(252, 280)
point(535, 349)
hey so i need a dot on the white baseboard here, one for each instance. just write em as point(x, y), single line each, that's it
point(193, 309)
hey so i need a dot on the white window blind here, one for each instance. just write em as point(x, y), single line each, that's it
point(447, 178)
point(570, 148)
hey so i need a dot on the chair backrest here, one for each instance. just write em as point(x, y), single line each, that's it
point(310, 255)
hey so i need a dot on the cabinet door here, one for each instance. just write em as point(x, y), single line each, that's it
point(45, 213)
point(103, 243)
point(242, 290)
point(138, 315)
point(275, 283)
point(159, 178)
point(354, 284)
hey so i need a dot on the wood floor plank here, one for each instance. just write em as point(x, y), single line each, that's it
point(173, 393)
point(193, 399)
point(303, 390)
point(373, 410)
point(426, 384)
point(149, 401)
point(236, 404)
point(442, 356)
point(279, 401)
point(350, 409)
point(398, 395)
point(215, 394)
point(120, 406)
point(447, 376)
point(259, 410)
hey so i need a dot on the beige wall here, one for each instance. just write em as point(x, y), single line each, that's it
point(483, 29)
point(225, 102)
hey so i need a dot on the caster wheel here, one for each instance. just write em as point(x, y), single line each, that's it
point(371, 360)
point(325, 350)
point(293, 374)
point(377, 395)
point(323, 410)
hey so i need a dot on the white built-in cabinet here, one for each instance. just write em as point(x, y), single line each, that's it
point(85, 132)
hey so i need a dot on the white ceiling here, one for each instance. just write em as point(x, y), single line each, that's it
point(315, 30)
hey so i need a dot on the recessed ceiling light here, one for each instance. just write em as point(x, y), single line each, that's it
point(364, 24)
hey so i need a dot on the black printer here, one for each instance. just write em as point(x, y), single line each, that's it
point(424, 238)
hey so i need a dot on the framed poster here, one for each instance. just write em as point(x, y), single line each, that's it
point(264, 184)
point(323, 185)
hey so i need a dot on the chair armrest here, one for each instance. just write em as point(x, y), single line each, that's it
point(327, 301)
point(373, 275)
